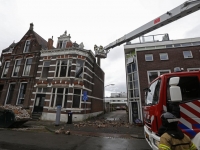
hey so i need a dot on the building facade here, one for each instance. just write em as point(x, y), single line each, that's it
point(64, 75)
point(116, 100)
point(147, 60)
point(19, 68)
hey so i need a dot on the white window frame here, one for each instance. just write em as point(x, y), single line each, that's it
point(167, 58)
point(56, 89)
point(79, 66)
point(81, 94)
point(4, 68)
point(158, 71)
point(44, 67)
point(19, 92)
point(26, 65)
point(15, 67)
point(193, 69)
point(191, 56)
point(8, 92)
point(60, 60)
point(26, 45)
point(146, 55)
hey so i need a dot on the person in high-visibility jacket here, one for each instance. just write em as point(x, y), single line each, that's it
point(172, 138)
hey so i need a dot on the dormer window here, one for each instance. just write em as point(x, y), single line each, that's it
point(27, 46)
point(62, 44)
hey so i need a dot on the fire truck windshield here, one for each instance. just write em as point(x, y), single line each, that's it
point(152, 95)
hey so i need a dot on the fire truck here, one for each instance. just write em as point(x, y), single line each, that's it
point(173, 91)
point(169, 91)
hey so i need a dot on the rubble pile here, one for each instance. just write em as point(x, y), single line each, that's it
point(102, 124)
point(62, 131)
point(18, 111)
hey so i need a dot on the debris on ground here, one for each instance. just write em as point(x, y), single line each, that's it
point(17, 110)
point(103, 123)
point(62, 131)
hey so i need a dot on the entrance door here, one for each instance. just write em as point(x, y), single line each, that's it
point(39, 102)
point(134, 111)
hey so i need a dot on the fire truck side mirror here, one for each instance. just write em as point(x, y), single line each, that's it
point(175, 91)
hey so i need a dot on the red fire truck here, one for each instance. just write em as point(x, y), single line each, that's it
point(179, 88)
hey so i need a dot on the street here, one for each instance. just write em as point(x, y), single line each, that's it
point(19, 139)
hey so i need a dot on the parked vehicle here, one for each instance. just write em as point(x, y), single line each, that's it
point(166, 92)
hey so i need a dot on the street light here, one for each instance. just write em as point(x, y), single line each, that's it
point(104, 106)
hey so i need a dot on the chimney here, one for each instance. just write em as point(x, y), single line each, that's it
point(31, 26)
point(50, 43)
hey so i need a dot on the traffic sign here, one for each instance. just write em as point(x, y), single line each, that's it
point(85, 97)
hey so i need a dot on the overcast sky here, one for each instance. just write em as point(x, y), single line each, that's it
point(92, 22)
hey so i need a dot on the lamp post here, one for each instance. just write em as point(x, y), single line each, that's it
point(104, 106)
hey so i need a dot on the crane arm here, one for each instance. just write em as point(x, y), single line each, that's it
point(181, 11)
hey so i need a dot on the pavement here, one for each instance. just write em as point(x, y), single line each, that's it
point(101, 126)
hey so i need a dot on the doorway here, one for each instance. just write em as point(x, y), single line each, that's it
point(39, 103)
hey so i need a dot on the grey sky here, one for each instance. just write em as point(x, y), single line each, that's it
point(92, 22)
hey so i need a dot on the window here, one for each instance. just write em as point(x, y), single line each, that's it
point(5, 70)
point(186, 44)
point(149, 57)
point(187, 54)
point(63, 68)
point(177, 45)
point(27, 46)
point(152, 93)
point(193, 69)
point(164, 56)
point(79, 68)
point(45, 69)
point(76, 98)
point(27, 67)
point(22, 92)
point(196, 43)
point(154, 74)
point(62, 44)
point(10, 93)
point(190, 87)
point(42, 90)
point(169, 46)
point(1, 89)
point(59, 97)
point(16, 68)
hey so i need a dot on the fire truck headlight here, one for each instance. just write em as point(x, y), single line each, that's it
point(156, 143)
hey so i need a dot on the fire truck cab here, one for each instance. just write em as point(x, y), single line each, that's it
point(169, 92)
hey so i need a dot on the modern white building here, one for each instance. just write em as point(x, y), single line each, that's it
point(116, 99)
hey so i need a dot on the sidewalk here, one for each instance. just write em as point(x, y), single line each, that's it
point(94, 127)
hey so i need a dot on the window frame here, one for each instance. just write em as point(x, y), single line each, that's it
point(167, 57)
point(158, 72)
point(79, 68)
point(45, 67)
point(20, 91)
point(187, 56)
point(60, 65)
point(26, 66)
point(26, 46)
point(55, 97)
point(146, 55)
point(15, 67)
point(193, 69)
point(8, 92)
point(4, 68)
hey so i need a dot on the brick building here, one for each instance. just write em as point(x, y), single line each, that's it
point(147, 60)
point(19, 68)
point(64, 74)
